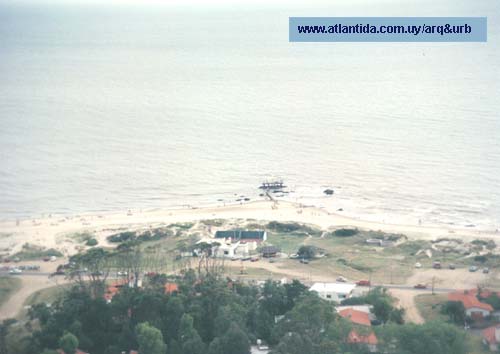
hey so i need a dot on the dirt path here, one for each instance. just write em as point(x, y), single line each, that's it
point(407, 301)
point(29, 285)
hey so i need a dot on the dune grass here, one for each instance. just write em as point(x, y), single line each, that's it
point(8, 286)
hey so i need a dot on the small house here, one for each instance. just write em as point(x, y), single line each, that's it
point(333, 291)
point(474, 308)
point(491, 337)
point(269, 251)
point(363, 335)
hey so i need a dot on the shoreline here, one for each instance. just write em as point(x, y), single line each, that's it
point(48, 231)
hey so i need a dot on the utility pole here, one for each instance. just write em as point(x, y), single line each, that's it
point(391, 269)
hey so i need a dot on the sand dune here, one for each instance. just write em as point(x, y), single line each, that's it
point(49, 231)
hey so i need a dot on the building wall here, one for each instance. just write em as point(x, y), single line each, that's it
point(471, 311)
point(332, 296)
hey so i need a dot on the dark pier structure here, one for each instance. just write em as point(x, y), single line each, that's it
point(272, 185)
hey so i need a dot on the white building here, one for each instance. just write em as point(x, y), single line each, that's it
point(333, 291)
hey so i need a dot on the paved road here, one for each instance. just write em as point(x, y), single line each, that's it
point(388, 286)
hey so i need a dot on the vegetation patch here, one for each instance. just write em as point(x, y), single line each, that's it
point(81, 237)
point(30, 252)
point(8, 286)
point(412, 247)
point(345, 232)
point(153, 235)
point(430, 306)
point(294, 228)
point(47, 296)
point(488, 244)
point(182, 225)
point(213, 222)
point(385, 236)
point(91, 242)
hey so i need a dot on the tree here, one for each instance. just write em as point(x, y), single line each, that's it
point(68, 343)
point(455, 311)
point(4, 330)
point(235, 341)
point(97, 262)
point(429, 338)
point(189, 338)
point(307, 252)
point(294, 343)
point(382, 309)
point(216, 346)
point(493, 300)
point(150, 339)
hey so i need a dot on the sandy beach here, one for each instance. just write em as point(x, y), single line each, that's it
point(50, 231)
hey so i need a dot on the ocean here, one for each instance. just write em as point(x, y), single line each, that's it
point(120, 106)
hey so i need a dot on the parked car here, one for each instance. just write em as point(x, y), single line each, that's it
point(254, 259)
point(14, 271)
point(420, 286)
point(304, 261)
point(122, 273)
point(294, 256)
point(341, 279)
point(272, 260)
point(418, 265)
point(363, 283)
point(486, 270)
point(473, 269)
point(436, 265)
point(451, 266)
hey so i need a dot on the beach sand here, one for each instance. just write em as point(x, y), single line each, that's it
point(50, 231)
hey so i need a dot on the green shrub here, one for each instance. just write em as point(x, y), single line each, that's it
point(293, 228)
point(30, 251)
point(122, 237)
point(345, 232)
point(182, 225)
point(480, 259)
point(91, 242)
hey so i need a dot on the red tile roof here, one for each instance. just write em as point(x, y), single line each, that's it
point(489, 334)
point(355, 337)
point(355, 316)
point(469, 300)
point(114, 288)
point(171, 287)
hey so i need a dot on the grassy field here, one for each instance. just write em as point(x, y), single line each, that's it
point(8, 286)
point(346, 251)
point(475, 345)
point(429, 306)
point(47, 295)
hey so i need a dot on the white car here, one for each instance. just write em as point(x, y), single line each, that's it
point(418, 265)
point(15, 271)
point(342, 279)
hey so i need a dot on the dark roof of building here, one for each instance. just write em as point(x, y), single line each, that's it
point(269, 249)
point(240, 235)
